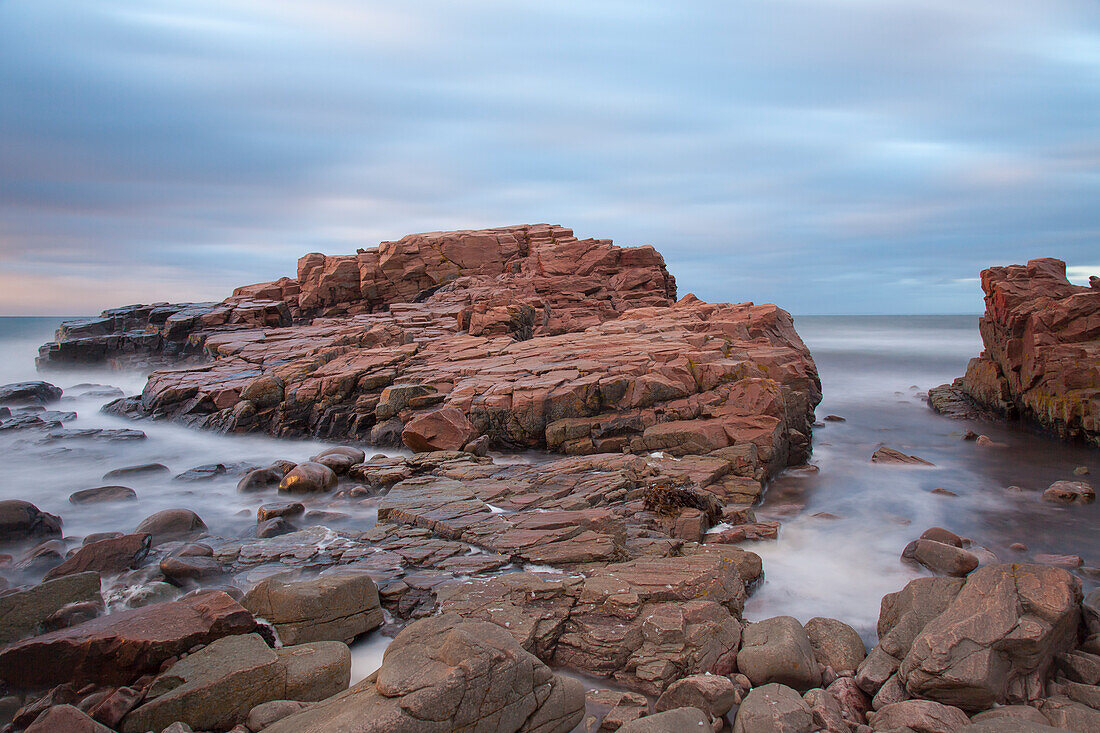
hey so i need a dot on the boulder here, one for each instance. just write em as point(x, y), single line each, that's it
point(356, 455)
point(307, 478)
point(613, 709)
point(29, 393)
point(997, 639)
point(284, 509)
point(445, 428)
point(264, 392)
point(171, 524)
point(710, 693)
point(445, 673)
point(269, 713)
point(778, 650)
point(66, 719)
point(1066, 714)
point(1012, 712)
point(919, 716)
point(1070, 492)
point(261, 478)
point(678, 720)
point(773, 708)
point(122, 646)
point(21, 521)
point(826, 711)
point(109, 557)
point(101, 494)
point(339, 607)
point(144, 469)
point(835, 644)
point(940, 558)
point(23, 611)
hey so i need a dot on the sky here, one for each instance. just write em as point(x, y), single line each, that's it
point(831, 156)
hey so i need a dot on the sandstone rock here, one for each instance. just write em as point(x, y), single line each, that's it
point(890, 455)
point(919, 716)
point(835, 644)
point(264, 392)
point(119, 647)
point(445, 428)
point(1069, 715)
point(853, 701)
point(1070, 492)
point(679, 720)
point(188, 569)
point(21, 520)
point(444, 673)
point(778, 650)
point(710, 693)
point(773, 708)
point(330, 607)
point(65, 718)
point(114, 707)
point(941, 558)
point(102, 493)
point(171, 524)
point(109, 557)
point(22, 611)
point(308, 477)
point(996, 640)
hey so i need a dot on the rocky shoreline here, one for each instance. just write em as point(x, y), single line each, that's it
point(615, 556)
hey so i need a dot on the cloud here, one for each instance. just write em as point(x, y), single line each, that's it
point(829, 155)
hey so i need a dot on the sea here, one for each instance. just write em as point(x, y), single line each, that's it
point(844, 522)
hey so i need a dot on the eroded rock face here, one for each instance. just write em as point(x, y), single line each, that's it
point(1041, 360)
point(525, 335)
point(444, 673)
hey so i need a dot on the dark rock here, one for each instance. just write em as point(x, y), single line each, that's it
point(202, 473)
point(941, 558)
point(335, 607)
point(65, 718)
point(102, 493)
point(21, 521)
point(172, 524)
point(308, 478)
point(260, 479)
point(29, 393)
point(109, 557)
point(145, 469)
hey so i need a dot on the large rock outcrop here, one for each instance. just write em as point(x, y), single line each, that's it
point(525, 335)
point(1041, 361)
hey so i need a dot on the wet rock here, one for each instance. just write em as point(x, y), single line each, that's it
point(41, 557)
point(773, 708)
point(190, 569)
point(171, 524)
point(945, 536)
point(448, 673)
point(835, 644)
point(22, 611)
point(834, 418)
point(996, 640)
point(308, 478)
point(109, 557)
point(274, 527)
point(262, 478)
point(919, 716)
point(102, 434)
point(205, 472)
point(445, 428)
point(65, 718)
point(21, 521)
point(778, 650)
point(336, 607)
point(355, 454)
point(679, 720)
point(145, 469)
point(29, 393)
point(710, 693)
point(119, 647)
point(102, 494)
point(1070, 492)
point(940, 558)
point(1061, 561)
point(767, 530)
point(892, 456)
point(285, 509)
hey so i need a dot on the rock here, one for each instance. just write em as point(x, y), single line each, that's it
point(835, 644)
point(826, 711)
point(189, 569)
point(1069, 715)
point(65, 718)
point(1040, 360)
point(834, 418)
point(890, 455)
point(279, 509)
point(145, 469)
point(316, 670)
point(1012, 712)
point(274, 527)
point(679, 720)
point(21, 521)
point(445, 428)
point(939, 534)
point(264, 392)
point(1079, 666)
point(101, 494)
point(941, 558)
point(113, 708)
point(1061, 561)
point(217, 686)
point(447, 673)
point(308, 478)
point(23, 610)
point(778, 650)
point(996, 640)
point(613, 709)
point(354, 454)
point(29, 393)
point(773, 708)
point(479, 446)
point(710, 693)
point(261, 478)
point(202, 473)
point(1000, 725)
point(269, 713)
point(338, 607)
point(171, 524)
point(919, 716)
point(1070, 492)
point(119, 647)
point(854, 703)
point(109, 557)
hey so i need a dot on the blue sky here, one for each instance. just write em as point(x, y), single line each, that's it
point(832, 156)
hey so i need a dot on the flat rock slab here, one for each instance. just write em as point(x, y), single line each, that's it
point(22, 611)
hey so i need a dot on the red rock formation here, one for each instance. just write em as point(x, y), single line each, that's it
point(1041, 360)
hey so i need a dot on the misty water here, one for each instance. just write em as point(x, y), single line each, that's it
point(843, 527)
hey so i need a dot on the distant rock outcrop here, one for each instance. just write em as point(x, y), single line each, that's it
point(1041, 361)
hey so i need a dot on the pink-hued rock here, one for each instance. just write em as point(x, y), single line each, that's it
point(443, 429)
point(1041, 360)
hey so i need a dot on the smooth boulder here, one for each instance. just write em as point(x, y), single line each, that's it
point(773, 708)
point(21, 521)
point(339, 607)
point(29, 393)
point(445, 428)
point(835, 644)
point(308, 477)
point(171, 524)
point(101, 494)
point(711, 693)
point(23, 611)
point(940, 557)
point(778, 650)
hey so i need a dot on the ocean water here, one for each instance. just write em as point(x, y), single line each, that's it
point(843, 527)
